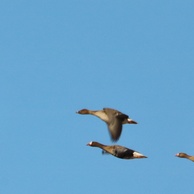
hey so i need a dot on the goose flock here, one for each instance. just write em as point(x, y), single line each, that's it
point(115, 120)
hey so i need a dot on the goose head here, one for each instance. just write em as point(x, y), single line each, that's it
point(181, 155)
point(83, 111)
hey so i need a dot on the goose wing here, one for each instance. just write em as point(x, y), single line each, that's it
point(123, 152)
point(115, 122)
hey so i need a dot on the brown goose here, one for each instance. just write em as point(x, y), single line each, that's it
point(184, 155)
point(117, 151)
point(113, 118)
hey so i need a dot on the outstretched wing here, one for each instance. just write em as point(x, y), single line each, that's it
point(115, 129)
point(115, 122)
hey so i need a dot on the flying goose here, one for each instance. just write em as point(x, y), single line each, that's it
point(117, 151)
point(113, 118)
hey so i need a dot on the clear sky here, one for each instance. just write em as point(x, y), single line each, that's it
point(57, 57)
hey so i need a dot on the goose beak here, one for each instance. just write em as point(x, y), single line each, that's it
point(89, 144)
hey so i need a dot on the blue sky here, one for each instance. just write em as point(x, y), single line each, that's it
point(61, 56)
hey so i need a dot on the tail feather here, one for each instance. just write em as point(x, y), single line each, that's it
point(130, 121)
point(138, 155)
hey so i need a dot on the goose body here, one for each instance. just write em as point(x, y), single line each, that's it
point(117, 151)
point(113, 118)
point(184, 155)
